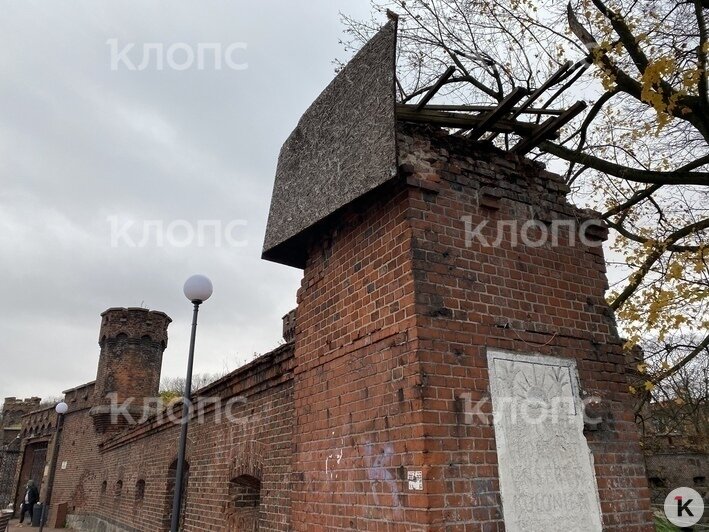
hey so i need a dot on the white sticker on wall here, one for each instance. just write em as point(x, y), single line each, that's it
point(415, 480)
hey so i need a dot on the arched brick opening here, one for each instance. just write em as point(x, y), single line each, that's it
point(244, 504)
point(140, 490)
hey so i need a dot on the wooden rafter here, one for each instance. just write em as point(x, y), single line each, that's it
point(548, 128)
point(496, 119)
point(544, 86)
point(408, 113)
point(496, 114)
point(515, 111)
point(435, 88)
point(534, 96)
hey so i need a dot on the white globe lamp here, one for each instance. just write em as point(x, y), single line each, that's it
point(198, 288)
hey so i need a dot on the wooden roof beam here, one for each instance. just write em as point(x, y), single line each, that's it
point(525, 106)
point(496, 114)
point(408, 113)
point(548, 129)
point(538, 92)
point(485, 109)
point(435, 88)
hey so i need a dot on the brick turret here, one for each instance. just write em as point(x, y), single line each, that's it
point(13, 409)
point(132, 342)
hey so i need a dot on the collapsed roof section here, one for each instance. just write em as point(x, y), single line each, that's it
point(345, 144)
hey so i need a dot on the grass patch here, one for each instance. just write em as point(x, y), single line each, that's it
point(662, 524)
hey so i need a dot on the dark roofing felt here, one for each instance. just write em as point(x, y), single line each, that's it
point(343, 147)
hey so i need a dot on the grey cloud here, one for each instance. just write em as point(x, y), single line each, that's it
point(80, 142)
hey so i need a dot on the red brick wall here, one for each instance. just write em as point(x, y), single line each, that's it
point(78, 447)
point(357, 381)
point(395, 315)
point(255, 441)
point(396, 312)
point(546, 299)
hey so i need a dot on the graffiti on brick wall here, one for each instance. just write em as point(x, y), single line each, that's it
point(382, 474)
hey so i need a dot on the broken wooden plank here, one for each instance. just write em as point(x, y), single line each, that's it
point(544, 86)
point(406, 113)
point(501, 110)
point(549, 127)
point(525, 106)
point(435, 88)
point(486, 108)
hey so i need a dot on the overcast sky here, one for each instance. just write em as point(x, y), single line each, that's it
point(90, 142)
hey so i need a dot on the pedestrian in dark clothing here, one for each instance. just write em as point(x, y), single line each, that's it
point(31, 498)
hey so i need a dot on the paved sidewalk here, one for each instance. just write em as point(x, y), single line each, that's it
point(15, 526)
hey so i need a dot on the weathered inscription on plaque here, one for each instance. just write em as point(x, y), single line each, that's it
point(547, 480)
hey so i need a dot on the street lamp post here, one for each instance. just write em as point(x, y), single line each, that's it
point(197, 289)
point(61, 409)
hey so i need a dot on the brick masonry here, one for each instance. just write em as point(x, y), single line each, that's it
point(671, 464)
point(13, 409)
point(125, 481)
point(10, 442)
point(396, 311)
point(132, 342)
point(36, 432)
point(395, 315)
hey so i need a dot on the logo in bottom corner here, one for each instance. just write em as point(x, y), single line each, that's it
point(684, 507)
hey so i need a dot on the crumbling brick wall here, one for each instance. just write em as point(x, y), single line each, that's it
point(396, 311)
point(515, 289)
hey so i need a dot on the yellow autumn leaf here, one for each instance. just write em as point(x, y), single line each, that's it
point(675, 271)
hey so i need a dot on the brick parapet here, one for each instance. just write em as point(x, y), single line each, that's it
point(257, 377)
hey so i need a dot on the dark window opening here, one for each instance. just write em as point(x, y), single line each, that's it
point(140, 490)
point(657, 482)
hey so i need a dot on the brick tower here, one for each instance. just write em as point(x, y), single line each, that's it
point(132, 342)
point(13, 409)
point(444, 278)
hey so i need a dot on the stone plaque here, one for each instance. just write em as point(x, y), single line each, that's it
point(547, 480)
